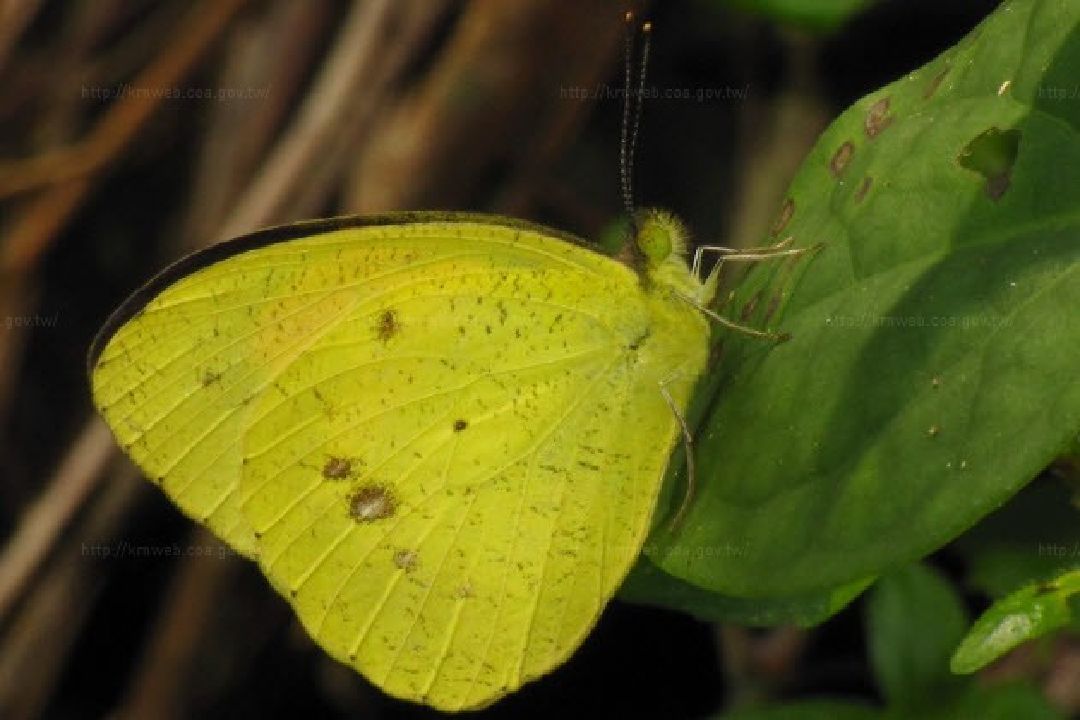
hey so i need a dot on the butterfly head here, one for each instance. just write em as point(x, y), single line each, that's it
point(660, 245)
point(659, 236)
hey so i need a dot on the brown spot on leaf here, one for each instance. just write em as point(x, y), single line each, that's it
point(934, 84)
point(774, 305)
point(864, 187)
point(751, 304)
point(878, 118)
point(337, 468)
point(388, 325)
point(716, 354)
point(786, 211)
point(372, 502)
point(841, 158)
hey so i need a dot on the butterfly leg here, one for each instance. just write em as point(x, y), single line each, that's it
point(688, 445)
point(768, 252)
point(751, 254)
point(732, 325)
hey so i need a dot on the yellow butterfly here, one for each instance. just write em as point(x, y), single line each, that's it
point(441, 436)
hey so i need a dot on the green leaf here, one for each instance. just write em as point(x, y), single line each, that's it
point(809, 710)
point(816, 15)
point(931, 370)
point(914, 620)
point(649, 585)
point(1029, 613)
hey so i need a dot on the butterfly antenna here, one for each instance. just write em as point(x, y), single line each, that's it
point(625, 152)
point(639, 102)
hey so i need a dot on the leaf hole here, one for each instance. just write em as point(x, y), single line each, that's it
point(992, 154)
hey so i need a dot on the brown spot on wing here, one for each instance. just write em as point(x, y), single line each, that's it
point(337, 468)
point(388, 325)
point(406, 560)
point(372, 502)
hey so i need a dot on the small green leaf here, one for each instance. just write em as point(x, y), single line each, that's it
point(914, 619)
point(1028, 613)
point(931, 370)
point(649, 585)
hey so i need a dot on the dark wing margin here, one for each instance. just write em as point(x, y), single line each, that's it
point(284, 233)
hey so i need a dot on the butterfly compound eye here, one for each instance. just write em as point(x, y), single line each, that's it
point(654, 241)
point(659, 235)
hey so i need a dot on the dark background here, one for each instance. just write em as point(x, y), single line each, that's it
point(87, 635)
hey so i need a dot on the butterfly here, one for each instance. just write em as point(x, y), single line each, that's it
point(440, 435)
